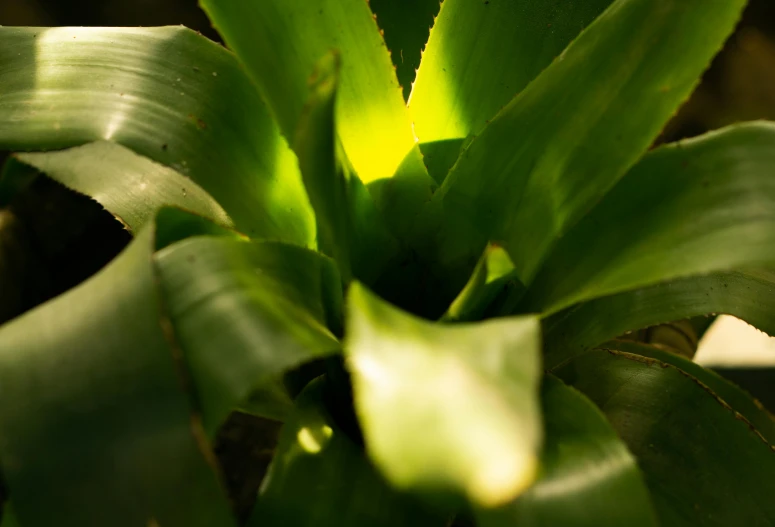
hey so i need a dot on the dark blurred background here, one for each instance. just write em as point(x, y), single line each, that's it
point(739, 86)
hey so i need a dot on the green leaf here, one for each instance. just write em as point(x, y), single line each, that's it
point(694, 207)
point(588, 476)
point(703, 463)
point(166, 93)
point(479, 56)
point(244, 313)
point(493, 276)
point(319, 476)
point(406, 24)
point(446, 409)
point(744, 294)
point(558, 146)
point(133, 188)
point(742, 402)
point(100, 420)
point(280, 41)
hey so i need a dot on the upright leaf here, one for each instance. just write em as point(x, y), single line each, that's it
point(588, 476)
point(703, 463)
point(100, 429)
point(558, 146)
point(446, 409)
point(166, 93)
point(133, 188)
point(280, 41)
point(479, 56)
point(319, 476)
point(695, 207)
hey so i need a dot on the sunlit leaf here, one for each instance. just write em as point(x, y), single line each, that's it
point(446, 409)
point(168, 94)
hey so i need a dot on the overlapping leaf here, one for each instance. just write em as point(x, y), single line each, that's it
point(694, 207)
point(588, 476)
point(575, 130)
point(479, 56)
point(703, 463)
point(133, 188)
point(446, 409)
point(319, 476)
point(744, 294)
point(169, 95)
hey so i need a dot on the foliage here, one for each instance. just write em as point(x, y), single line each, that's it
point(423, 292)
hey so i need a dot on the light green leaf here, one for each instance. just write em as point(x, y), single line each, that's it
point(319, 476)
point(493, 276)
point(166, 93)
point(280, 41)
point(446, 409)
point(588, 476)
point(744, 294)
point(479, 56)
point(244, 313)
point(740, 401)
point(133, 188)
point(406, 24)
point(9, 517)
point(703, 463)
point(558, 146)
point(694, 207)
point(100, 421)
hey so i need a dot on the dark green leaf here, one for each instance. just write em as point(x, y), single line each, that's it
point(100, 429)
point(731, 394)
point(694, 207)
point(320, 477)
point(169, 95)
point(703, 463)
point(246, 312)
point(133, 188)
point(479, 56)
point(9, 517)
point(406, 24)
point(446, 408)
point(588, 476)
point(558, 146)
point(744, 294)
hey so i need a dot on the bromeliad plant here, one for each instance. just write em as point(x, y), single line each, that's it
point(468, 254)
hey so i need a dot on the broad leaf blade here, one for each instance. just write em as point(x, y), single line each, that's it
point(131, 187)
point(446, 409)
point(703, 464)
point(479, 56)
point(694, 207)
point(169, 95)
point(744, 294)
point(244, 313)
point(557, 147)
point(279, 41)
point(588, 476)
point(319, 476)
point(101, 430)
point(731, 394)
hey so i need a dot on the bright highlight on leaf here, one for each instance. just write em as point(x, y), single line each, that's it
point(446, 408)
